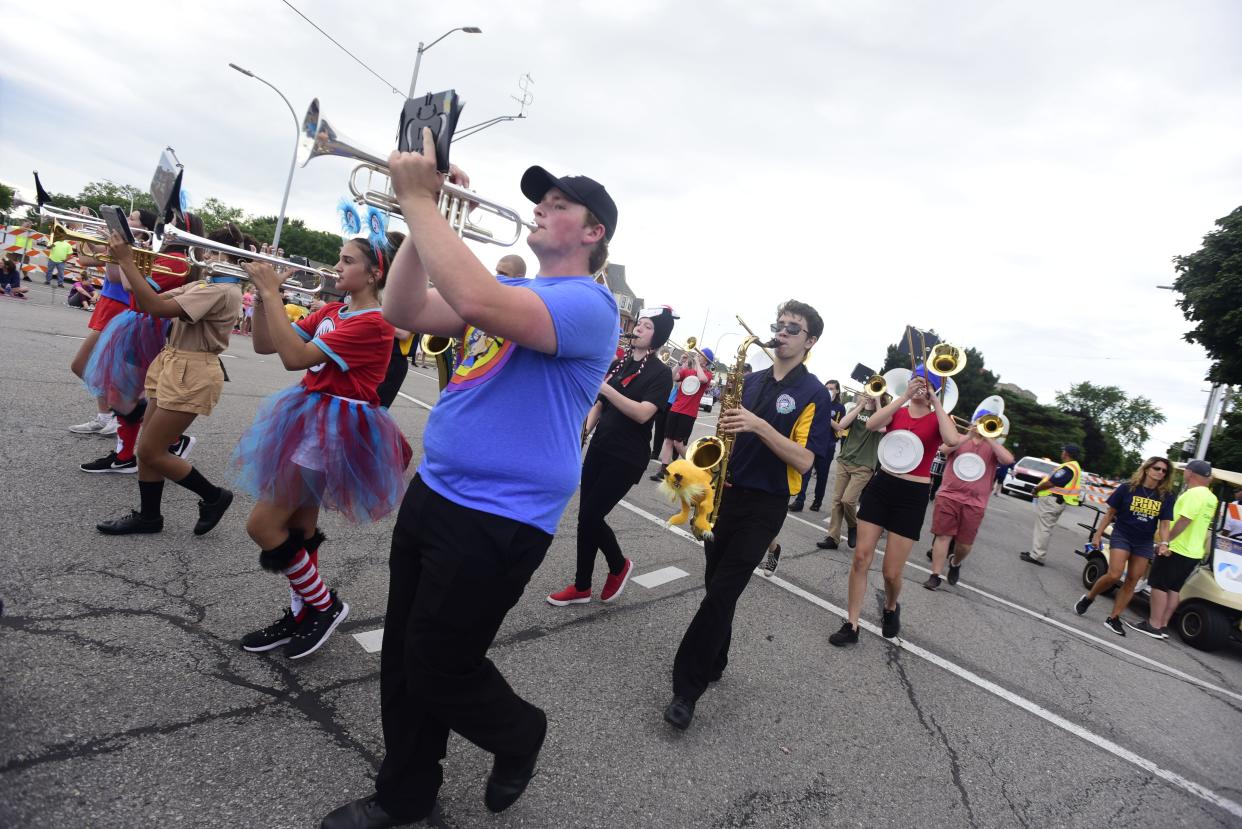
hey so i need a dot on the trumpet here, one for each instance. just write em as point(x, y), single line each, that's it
point(60, 215)
point(175, 236)
point(320, 138)
point(144, 259)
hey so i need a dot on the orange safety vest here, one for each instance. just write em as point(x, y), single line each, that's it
point(1073, 490)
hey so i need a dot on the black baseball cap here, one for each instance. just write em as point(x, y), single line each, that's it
point(536, 182)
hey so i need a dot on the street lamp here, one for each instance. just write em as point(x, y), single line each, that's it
point(297, 130)
point(470, 30)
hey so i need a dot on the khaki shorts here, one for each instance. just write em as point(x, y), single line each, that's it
point(185, 381)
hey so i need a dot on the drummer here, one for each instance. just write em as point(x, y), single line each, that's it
point(896, 498)
point(963, 498)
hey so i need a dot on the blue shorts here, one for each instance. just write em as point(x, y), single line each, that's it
point(1142, 549)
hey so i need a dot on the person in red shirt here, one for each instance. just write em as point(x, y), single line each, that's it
point(961, 501)
point(323, 443)
point(896, 501)
point(692, 378)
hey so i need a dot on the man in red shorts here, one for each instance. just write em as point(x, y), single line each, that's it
point(962, 499)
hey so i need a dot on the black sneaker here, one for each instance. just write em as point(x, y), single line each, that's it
point(1080, 606)
point(210, 514)
point(771, 560)
point(933, 582)
point(929, 554)
point(1030, 559)
point(1145, 627)
point(511, 775)
point(828, 543)
point(109, 463)
point(847, 635)
point(955, 572)
point(315, 628)
point(274, 635)
point(181, 446)
point(891, 624)
point(796, 506)
point(131, 524)
point(659, 476)
point(679, 713)
point(1164, 633)
point(851, 537)
point(1114, 624)
point(815, 505)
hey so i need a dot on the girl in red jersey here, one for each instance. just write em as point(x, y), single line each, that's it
point(325, 442)
point(896, 501)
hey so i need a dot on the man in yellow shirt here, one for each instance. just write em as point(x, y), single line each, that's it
point(1177, 558)
point(56, 257)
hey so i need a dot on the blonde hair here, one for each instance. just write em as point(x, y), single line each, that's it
point(1164, 487)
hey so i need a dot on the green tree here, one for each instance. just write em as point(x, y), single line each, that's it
point(216, 213)
point(1225, 450)
point(296, 238)
point(6, 197)
point(1128, 419)
point(974, 382)
point(98, 193)
point(1210, 281)
point(1040, 430)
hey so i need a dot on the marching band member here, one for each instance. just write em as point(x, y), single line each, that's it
point(960, 504)
point(854, 469)
point(398, 365)
point(823, 463)
point(782, 425)
point(617, 458)
point(323, 443)
point(684, 409)
point(183, 381)
point(479, 516)
point(896, 502)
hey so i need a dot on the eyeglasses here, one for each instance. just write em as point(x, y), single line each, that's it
point(790, 328)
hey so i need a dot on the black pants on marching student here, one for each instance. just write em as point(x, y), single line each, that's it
point(657, 438)
point(605, 480)
point(749, 519)
point(822, 464)
point(454, 573)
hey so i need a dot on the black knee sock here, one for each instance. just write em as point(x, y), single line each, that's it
point(200, 486)
point(151, 493)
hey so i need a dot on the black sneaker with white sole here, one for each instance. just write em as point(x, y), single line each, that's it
point(1114, 624)
point(770, 561)
point(182, 446)
point(1080, 606)
point(109, 463)
point(315, 628)
point(1147, 629)
point(278, 633)
point(955, 572)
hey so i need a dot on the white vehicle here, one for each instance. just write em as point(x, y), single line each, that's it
point(1026, 473)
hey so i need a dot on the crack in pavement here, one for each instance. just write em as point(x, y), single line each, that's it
point(745, 810)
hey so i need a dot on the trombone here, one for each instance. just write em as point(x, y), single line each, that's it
point(175, 236)
point(144, 259)
point(990, 425)
point(876, 386)
point(61, 216)
point(320, 138)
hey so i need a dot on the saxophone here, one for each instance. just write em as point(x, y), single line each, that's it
point(712, 452)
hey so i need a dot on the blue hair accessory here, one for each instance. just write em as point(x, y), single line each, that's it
point(185, 201)
point(351, 220)
point(377, 228)
point(933, 380)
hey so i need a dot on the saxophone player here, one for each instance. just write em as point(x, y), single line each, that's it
point(783, 422)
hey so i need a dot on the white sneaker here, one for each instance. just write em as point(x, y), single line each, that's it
point(94, 426)
point(109, 428)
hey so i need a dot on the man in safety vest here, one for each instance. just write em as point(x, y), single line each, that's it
point(1233, 516)
point(1063, 486)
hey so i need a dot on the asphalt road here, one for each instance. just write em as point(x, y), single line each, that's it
point(126, 701)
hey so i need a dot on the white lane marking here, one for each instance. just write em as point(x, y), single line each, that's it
point(414, 400)
point(1095, 640)
point(371, 640)
point(418, 373)
point(68, 337)
point(1082, 733)
point(230, 356)
point(658, 577)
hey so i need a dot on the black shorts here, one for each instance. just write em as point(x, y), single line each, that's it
point(895, 504)
point(678, 426)
point(1170, 572)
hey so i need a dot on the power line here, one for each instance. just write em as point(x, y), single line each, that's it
point(342, 48)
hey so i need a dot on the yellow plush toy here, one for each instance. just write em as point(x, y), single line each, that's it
point(685, 482)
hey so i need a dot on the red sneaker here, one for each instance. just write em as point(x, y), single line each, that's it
point(613, 585)
point(570, 595)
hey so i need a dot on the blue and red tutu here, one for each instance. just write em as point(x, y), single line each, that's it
point(306, 448)
point(118, 364)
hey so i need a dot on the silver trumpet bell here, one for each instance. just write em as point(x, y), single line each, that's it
point(320, 138)
point(197, 244)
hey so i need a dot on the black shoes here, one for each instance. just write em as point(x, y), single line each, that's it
point(955, 572)
point(131, 524)
point(851, 537)
point(1114, 624)
point(933, 582)
point(278, 633)
point(1145, 627)
point(847, 635)
point(891, 625)
point(771, 560)
point(828, 543)
point(365, 813)
point(109, 463)
point(659, 476)
point(679, 713)
point(796, 506)
point(1080, 606)
point(815, 505)
point(1029, 559)
point(210, 514)
point(315, 628)
point(509, 778)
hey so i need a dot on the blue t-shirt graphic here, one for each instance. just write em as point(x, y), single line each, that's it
point(505, 436)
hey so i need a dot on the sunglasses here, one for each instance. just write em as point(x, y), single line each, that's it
point(790, 328)
point(1163, 470)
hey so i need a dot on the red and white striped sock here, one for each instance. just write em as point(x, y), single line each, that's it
point(296, 603)
point(304, 578)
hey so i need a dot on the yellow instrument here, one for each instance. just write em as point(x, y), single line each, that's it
point(440, 348)
point(143, 259)
point(946, 360)
point(990, 425)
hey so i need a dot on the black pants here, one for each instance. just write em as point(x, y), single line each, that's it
point(821, 467)
point(605, 480)
point(454, 573)
point(398, 367)
point(657, 439)
point(748, 521)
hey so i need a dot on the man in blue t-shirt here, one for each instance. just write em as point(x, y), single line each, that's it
point(479, 516)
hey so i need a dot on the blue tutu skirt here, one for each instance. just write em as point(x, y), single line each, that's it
point(118, 364)
point(306, 448)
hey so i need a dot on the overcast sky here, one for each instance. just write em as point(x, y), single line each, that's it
point(1016, 175)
